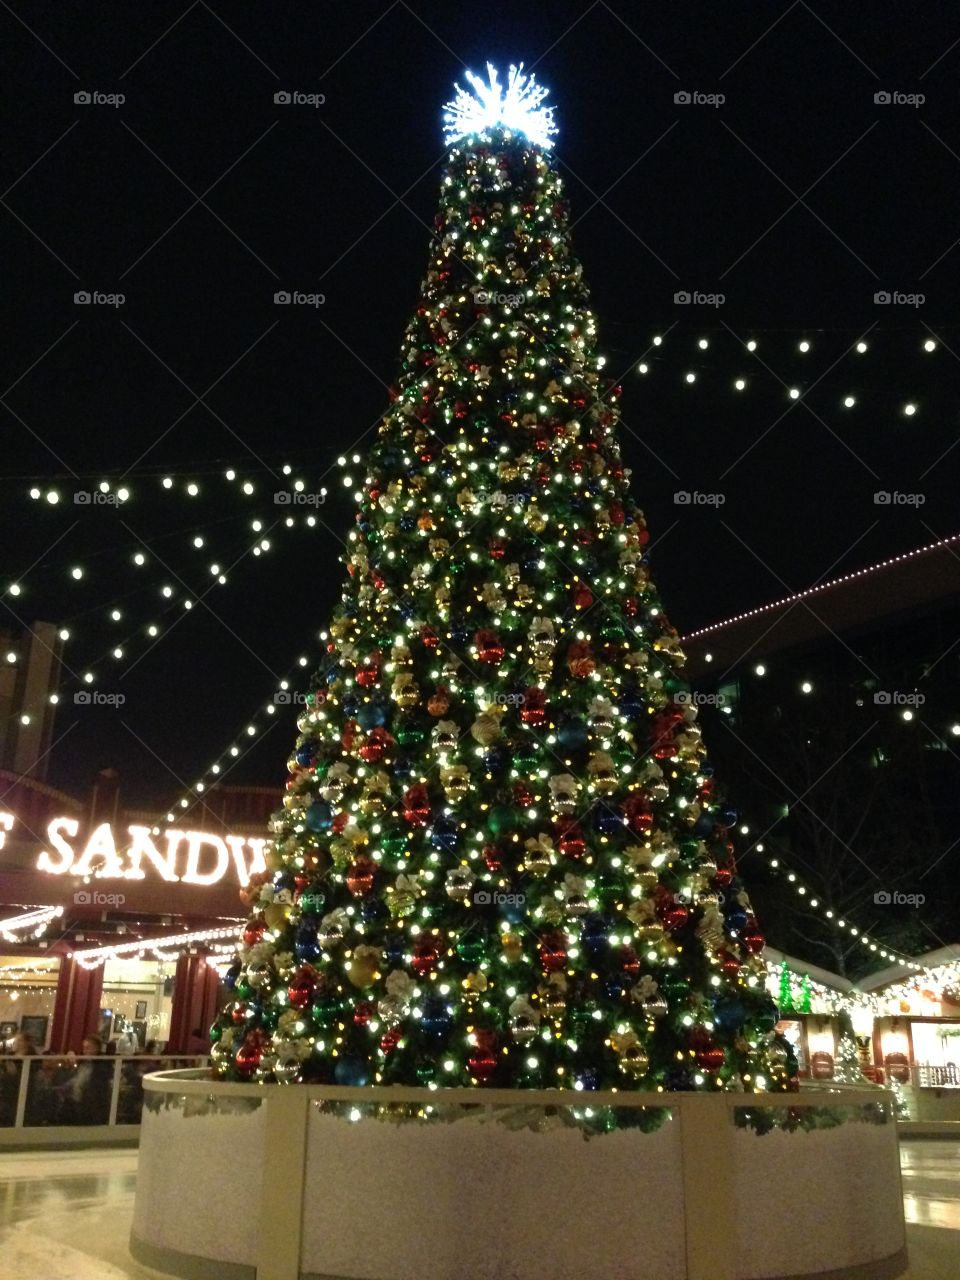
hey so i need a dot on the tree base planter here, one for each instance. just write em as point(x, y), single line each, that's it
point(249, 1182)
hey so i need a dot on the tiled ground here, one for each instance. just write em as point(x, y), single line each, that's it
point(66, 1215)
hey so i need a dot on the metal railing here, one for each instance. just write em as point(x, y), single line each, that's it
point(929, 1075)
point(46, 1092)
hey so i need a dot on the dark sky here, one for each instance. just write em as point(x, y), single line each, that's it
point(798, 198)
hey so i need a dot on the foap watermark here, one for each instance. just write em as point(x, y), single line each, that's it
point(894, 498)
point(694, 98)
point(694, 498)
point(94, 98)
point(295, 498)
point(510, 699)
point(497, 898)
point(294, 298)
point(884, 898)
point(97, 498)
point(894, 298)
point(499, 500)
point(694, 298)
point(897, 98)
point(93, 698)
point(289, 698)
point(94, 298)
point(693, 698)
point(96, 898)
point(687, 898)
point(895, 698)
point(297, 98)
point(487, 298)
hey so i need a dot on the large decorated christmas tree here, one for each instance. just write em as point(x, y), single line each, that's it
point(501, 859)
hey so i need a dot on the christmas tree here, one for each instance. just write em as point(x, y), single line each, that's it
point(501, 859)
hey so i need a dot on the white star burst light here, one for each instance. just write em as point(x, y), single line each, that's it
point(518, 107)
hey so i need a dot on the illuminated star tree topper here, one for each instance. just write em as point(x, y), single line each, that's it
point(517, 107)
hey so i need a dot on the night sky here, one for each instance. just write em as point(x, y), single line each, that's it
point(798, 198)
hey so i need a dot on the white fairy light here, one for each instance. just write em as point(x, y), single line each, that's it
point(517, 107)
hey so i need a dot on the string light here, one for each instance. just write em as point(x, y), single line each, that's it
point(812, 902)
point(252, 730)
point(809, 592)
point(95, 956)
point(34, 921)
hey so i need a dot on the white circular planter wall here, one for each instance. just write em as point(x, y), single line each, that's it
point(242, 1182)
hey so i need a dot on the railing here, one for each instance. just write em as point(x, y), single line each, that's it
point(43, 1093)
point(928, 1075)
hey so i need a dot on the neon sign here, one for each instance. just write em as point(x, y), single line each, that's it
point(190, 857)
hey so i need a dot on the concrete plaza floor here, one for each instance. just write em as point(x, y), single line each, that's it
point(67, 1214)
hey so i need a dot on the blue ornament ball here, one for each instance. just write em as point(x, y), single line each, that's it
point(703, 826)
point(436, 1020)
point(305, 944)
point(593, 932)
point(373, 910)
point(729, 1014)
point(351, 1070)
point(319, 816)
point(371, 715)
point(607, 821)
point(572, 735)
point(445, 834)
point(735, 919)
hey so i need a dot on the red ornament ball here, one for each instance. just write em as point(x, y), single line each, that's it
point(489, 647)
point(360, 877)
point(753, 939)
point(425, 956)
point(416, 805)
point(709, 1057)
point(249, 1055)
point(253, 931)
point(572, 844)
point(301, 989)
point(553, 952)
point(481, 1064)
